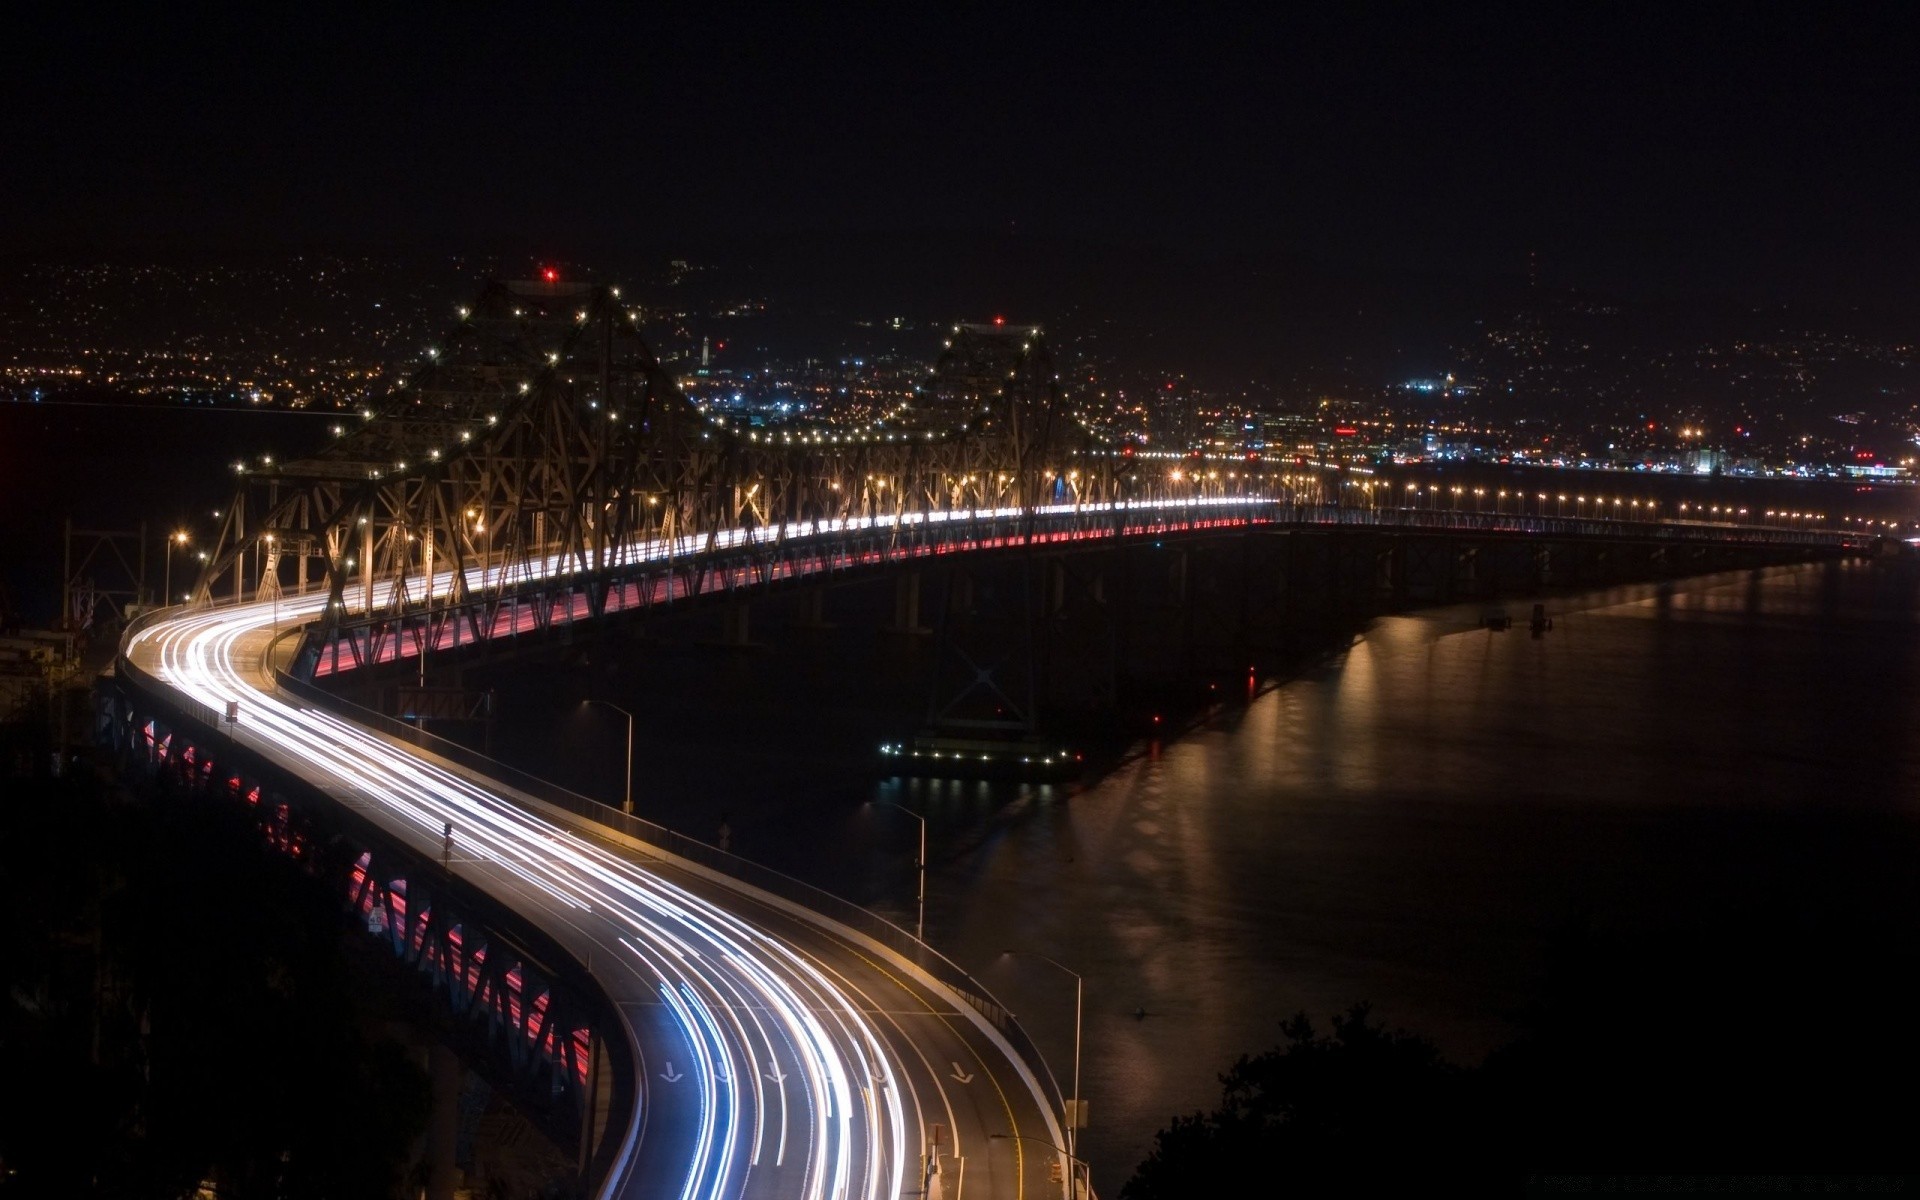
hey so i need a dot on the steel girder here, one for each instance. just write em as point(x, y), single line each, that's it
point(542, 432)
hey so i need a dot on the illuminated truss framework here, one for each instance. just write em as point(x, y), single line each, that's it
point(543, 432)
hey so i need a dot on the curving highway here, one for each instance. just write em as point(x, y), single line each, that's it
point(780, 1054)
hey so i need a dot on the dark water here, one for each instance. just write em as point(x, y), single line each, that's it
point(1407, 825)
point(1404, 823)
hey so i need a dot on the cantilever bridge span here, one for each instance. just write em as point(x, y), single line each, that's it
point(710, 1029)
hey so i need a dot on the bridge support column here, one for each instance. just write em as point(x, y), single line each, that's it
point(906, 604)
point(733, 630)
point(962, 583)
point(813, 610)
point(366, 567)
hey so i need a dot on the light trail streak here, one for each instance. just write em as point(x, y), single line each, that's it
point(747, 1004)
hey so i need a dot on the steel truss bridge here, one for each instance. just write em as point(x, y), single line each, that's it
point(701, 1027)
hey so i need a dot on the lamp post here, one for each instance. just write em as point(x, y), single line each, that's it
point(166, 572)
point(626, 806)
point(920, 928)
point(1086, 1171)
point(1079, 989)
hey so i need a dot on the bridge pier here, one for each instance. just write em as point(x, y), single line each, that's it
point(906, 604)
point(813, 610)
point(734, 624)
point(1079, 632)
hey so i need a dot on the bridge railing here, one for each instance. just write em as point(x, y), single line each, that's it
point(841, 911)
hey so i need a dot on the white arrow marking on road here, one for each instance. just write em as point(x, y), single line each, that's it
point(959, 1075)
point(775, 1074)
point(671, 1075)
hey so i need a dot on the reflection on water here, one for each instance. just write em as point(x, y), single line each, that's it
point(1406, 824)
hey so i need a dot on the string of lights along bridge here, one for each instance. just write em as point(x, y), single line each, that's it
point(539, 468)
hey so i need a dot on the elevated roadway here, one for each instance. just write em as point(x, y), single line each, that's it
point(781, 1053)
point(782, 1048)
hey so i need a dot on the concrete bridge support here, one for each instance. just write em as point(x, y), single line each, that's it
point(906, 603)
point(734, 624)
point(812, 612)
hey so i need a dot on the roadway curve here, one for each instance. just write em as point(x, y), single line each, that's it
point(780, 1054)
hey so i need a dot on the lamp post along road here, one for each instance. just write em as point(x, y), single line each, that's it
point(1079, 990)
point(626, 805)
point(166, 572)
point(920, 927)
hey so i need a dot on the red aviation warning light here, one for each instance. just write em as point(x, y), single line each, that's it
point(550, 275)
point(999, 320)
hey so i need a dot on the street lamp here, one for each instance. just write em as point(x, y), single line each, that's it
point(626, 805)
point(920, 928)
point(166, 573)
point(1086, 1171)
point(1079, 988)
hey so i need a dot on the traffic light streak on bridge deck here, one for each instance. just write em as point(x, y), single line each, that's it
point(782, 1083)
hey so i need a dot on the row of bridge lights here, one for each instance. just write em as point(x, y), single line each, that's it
point(1601, 504)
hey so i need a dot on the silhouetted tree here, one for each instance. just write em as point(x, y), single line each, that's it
point(1749, 1042)
point(1365, 1108)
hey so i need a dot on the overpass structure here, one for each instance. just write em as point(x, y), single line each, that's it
point(702, 1027)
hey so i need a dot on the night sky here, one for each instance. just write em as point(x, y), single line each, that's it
point(1748, 150)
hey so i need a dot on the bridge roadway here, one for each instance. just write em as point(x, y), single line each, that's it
point(657, 572)
point(782, 1055)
